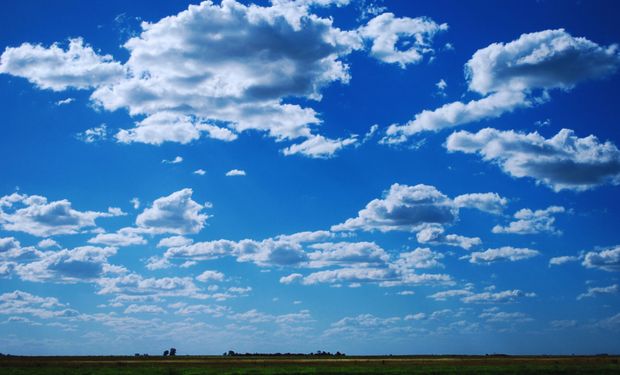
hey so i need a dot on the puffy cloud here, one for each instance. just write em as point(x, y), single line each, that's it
point(444, 295)
point(503, 253)
point(43, 244)
point(85, 263)
point(408, 208)
point(210, 276)
point(594, 291)
point(122, 237)
point(24, 303)
point(135, 203)
point(505, 317)
point(92, 135)
point(435, 235)
point(141, 309)
point(174, 241)
point(386, 31)
point(508, 74)
point(558, 261)
point(65, 101)
point(235, 172)
point(176, 213)
point(422, 209)
point(289, 279)
point(200, 172)
point(177, 160)
point(55, 68)
point(136, 285)
point(497, 297)
point(168, 126)
point(418, 258)
point(564, 161)
point(487, 202)
point(343, 253)
point(8, 243)
point(457, 113)
point(40, 218)
point(318, 146)
point(547, 59)
point(607, 260)
point(532, 222)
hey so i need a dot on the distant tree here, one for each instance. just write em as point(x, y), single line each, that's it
point(165, 353)
point(173, 352)
point(136, 355)
point(231, 352)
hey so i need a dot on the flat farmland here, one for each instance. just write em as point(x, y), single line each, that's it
point(198, 365)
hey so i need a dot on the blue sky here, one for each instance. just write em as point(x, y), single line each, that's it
point(368, 176)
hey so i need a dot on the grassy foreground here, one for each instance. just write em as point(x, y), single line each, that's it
point(198, 365)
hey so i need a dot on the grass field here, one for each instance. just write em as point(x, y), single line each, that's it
point(197, 365)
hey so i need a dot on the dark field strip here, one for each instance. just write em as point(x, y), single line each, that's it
point(198, 365)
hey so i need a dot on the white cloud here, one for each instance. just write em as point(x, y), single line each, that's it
point(85, 263)
point(141, 309)
point(607, 260)
point(291, 278)
point(318, 146)
point(235, 172)
point(55, 68)
point(386, 31)
point(594, 291)
point(505, 317)
point(200, 172)
point(223, 69)
point(40, 218)
point(122, 237)
point(174, 241)
point(419, 208)
point(558, 261)
point(177, 160)
point(343, 253)
point(65, 101)
point(434, 235)
point(136, 285)
point(176, 213)
point(93, 135)
point(505, 296)
point(532, 222)
point(207, 276)
point(135, 203)
point(24, 303)
point(44, 244)
point(503, 253)
point(508, 74)
point(547, 59)
point(487, 202)
point(561, 162)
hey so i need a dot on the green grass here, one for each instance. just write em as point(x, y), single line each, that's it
point(270, 365)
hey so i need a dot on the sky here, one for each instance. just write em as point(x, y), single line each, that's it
point(370, 177)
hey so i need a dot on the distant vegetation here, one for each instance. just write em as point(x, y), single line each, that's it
point(318, 353)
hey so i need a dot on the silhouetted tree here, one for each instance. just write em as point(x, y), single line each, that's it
point(165, 353)
point(173, 352)
point(231, 352)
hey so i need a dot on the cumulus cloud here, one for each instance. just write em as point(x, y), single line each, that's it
point(422, 209)
point(223, 69)
point(386, 31)
point(36, 216)
point(207, 276)
point(607, 260)
point(141, 309)
point(235, 172)
point(289, 279)
point(503, 253)
point(488, 202)
point(43, 244)
point(174, 241)
point(435, 235)
point(65, 101)
point(594, 291)
point(84, 263)
point(564, 161)
point(176, 213)
point(200, 172)
point(93, 135)
point(319, 147)
point(532, 222)
point(55, 68)
point(136, 285)
point(558, 261)
point(177, 160)
point(23, 303)
point(509, 74)
point(468, 296)
point(122, 237)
